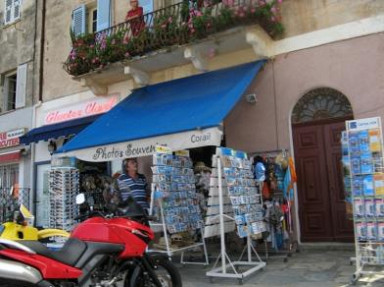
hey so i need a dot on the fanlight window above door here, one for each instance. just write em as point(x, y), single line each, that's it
point(321, 103)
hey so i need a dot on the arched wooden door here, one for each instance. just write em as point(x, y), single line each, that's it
point(318, 120)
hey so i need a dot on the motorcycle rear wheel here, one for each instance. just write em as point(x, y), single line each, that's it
point(166, 272)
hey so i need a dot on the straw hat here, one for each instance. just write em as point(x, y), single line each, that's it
point(200, 166)
point(281, 160)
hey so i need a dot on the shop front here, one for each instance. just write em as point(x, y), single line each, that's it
point(56, 122)
point(14, 165)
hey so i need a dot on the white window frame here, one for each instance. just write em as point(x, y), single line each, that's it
point(13, 8)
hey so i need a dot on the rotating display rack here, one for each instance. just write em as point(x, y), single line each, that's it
point(235, 180)
point(365, 152)
point(174, 201)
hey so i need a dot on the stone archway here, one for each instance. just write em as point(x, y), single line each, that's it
point(317, 121)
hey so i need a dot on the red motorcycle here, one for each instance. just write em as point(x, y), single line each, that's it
point(101, 251)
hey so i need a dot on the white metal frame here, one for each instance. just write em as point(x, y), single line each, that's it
point(171, 251)
point(226, 263)
point(365, 251)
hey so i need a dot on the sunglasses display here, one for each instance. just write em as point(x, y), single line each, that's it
point(64, 185)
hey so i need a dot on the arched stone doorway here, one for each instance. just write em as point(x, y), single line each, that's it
point(318, 119)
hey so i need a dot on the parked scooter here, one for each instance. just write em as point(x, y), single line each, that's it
point(101, 251)
point(20, 229)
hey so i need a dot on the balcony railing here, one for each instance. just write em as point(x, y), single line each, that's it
point(174, 25)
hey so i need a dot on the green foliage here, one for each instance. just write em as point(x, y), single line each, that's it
point(169, 27)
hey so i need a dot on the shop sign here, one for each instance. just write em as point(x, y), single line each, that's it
point(145, 147)
point(80, 110)
point(11, 138)
point(363, 124)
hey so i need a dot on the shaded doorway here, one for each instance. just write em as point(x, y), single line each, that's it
point(317, 122)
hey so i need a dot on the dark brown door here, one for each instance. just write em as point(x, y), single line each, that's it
point(322, 207)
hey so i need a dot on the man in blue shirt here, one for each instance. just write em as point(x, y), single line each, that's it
point(132, 183)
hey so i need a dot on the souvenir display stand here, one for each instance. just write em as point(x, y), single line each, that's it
point(278, 215)
point(365, 151)
point(174, 202)
point(235, 180)
point(63, 188)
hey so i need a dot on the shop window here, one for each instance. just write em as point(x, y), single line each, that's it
point(92, 17)
point(12, 11)
point(321, 103)
point(9, 176)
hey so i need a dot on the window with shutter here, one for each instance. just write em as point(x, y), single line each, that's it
point(8, 11)
point(21, 86)
point(16, 10)
point(79, 20)
point(103, 14)
point(9, 92)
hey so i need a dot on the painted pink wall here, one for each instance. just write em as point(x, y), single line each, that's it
point(353, 67)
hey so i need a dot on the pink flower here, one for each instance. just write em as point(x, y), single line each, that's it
point(228, 2)
point(274, 10)
point(279, 1)
point(126, 54)
point(273, 19)
point(170, 19)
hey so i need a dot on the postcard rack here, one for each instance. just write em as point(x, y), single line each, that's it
point(174, 202)
point(364, 155)
point(235, 180)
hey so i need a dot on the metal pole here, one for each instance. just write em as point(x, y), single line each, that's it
point(221, 209)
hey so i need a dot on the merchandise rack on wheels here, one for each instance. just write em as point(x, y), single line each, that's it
point(227, 268)
point(290, 244)
point(365, 154)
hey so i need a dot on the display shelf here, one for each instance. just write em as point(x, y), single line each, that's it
point(277, 163)
point(242, 192)
point(63, 188)
point(364, 150)
point(174, 201)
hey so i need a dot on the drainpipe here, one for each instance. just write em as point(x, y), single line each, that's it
point(33, 156)
point(42, 42)
point(38, 104)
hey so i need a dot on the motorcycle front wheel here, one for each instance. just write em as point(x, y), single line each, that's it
point(165, 271)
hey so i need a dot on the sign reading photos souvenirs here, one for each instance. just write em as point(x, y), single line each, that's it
point(174, 183)
point(244, 195)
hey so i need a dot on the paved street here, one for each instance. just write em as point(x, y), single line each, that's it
point(310, 267)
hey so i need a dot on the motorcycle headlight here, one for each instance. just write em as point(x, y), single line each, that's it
point(1, 229)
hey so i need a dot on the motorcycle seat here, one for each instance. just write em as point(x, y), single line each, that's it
point(74, 252)
point(69, 254)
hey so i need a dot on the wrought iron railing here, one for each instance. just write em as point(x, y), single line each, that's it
point(174, 25)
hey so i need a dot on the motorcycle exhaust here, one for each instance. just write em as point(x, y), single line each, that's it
point(16, 270)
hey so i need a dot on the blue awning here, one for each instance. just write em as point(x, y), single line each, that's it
point(192, 107)
point(57, 130)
